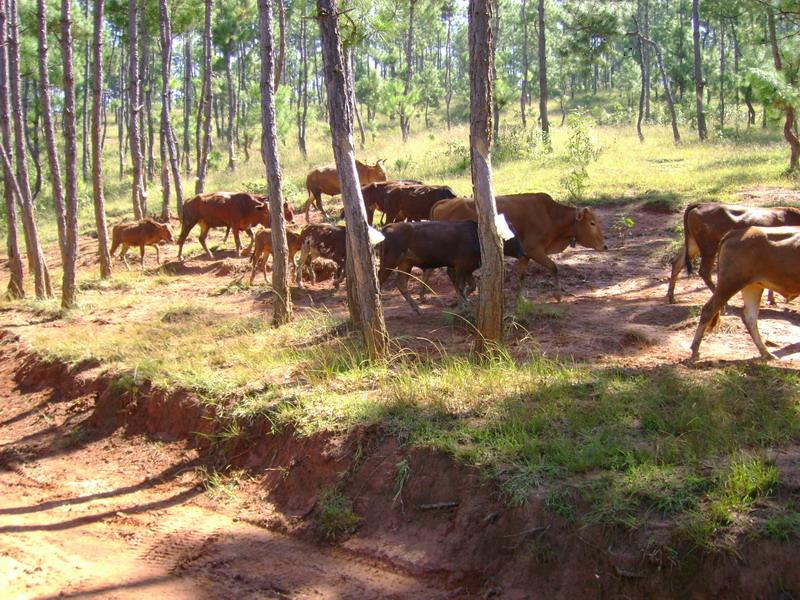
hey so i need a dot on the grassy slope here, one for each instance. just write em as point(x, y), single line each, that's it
point(636, 445)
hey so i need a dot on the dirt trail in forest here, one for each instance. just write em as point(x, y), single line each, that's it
point(86, 515)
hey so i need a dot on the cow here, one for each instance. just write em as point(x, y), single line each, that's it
point(288, 212)
point(238, 210)
point(433, 244)
point(325, 180)
point(147, 232)
point(413, 202)
point(706, 223)
point(323, 241)
point(262, 249)
point(543, 225)
point(374, 194)
point(751, 260)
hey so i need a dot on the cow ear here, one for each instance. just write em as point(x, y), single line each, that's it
point(581, 213)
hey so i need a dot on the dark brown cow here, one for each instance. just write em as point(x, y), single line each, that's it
point(262, 249)
point(325, 180)
point(433, 244)
point(147, 232)
point(374, 194)
point(323, 241)
point(238, 210)
point(413, 202)
point(706, 223)
point(751, 260)
point(543, 225)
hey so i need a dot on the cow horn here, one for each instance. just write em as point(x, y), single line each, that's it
point(380, 161)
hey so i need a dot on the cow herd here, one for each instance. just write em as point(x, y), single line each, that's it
point(429, 227)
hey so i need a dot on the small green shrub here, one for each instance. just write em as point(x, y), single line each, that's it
point(336, 517)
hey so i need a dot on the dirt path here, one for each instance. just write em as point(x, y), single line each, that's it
point(84, 515)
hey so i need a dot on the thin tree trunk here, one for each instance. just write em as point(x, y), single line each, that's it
point(523, 96)
point(405, 119)
point(642, 92)
point(282, 47)
point(281, 294)
point(202, 170)
point(36, 260)
point(122, 112)
point(68, 286)
point(667, 88)
point(187, 102)
point(490, 300)
point(85, 115)
point(448, 96)
point(135, 108)
point(10, 189)
point(167, 133)
point(543, 94)
point(788, 126)
point(231, 111)
point(32, 139)
point(721, 73)
point(147, 91)
point(646, 58)
point(495, 41)
point(699, 84)
point(363, 291)
point(302, 85)
point(97, 148)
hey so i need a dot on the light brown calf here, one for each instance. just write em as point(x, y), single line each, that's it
point(263, 249)
point(147, 232)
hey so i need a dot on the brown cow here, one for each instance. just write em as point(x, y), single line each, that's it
point(147, 232)
point(543, 225)
point(288, 212)
point(413, 202)
point(706, 223)
point(432, 244)
point(324, 241)
point(374, 194)
point(262, 250)
point(325, 180)
point(751, 260)
point(238, 210)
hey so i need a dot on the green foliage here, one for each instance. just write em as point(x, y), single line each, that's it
point(582, 150)
point(336, 517)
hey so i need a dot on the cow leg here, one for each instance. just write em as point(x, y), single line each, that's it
point(123, 255)
point(203, 235)
point(424, 287)
point(521, 269)
point(338, 277)
point(319, 205)
point(709, 316)
point(538, 254)
point(771, 298)
point(238, 242)
point(227, 233)
point(158, 254)
point(249, 232)
point(301, 266)
point(708, 256)
point(402, 286)
point(752, 302)
point(457, 279)
point(264, 266)
point(186, 227)
point(141, 254)
point(678, 263)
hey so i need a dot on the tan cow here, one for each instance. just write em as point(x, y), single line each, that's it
point(262, 250)
point(543, 225)
point(706, 223)
point(751, 260)
point(325, 180)
point(147, 232)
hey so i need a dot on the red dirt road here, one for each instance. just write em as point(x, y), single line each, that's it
point(86, 515)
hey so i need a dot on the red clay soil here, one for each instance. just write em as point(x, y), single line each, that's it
point(101, 496)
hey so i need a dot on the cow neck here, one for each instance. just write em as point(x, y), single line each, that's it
point(568, 224)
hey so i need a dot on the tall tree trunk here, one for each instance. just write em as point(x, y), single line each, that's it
point(231, 111)
point(676, 136)
point(41, 274)
point(646, 59)
point(789, 124)
point(448, 95)
point(348, 63)
point(122, 112)
point(147, 93)
point(207, 99)
point(721, 73)
point(523, 96)
point(302, 84)
point(543, 95)
point(364, 294)
point(10, 189)
point(32, 133)
point(85, 115)
point(187, 102)
point(699, 84)
point(405, 118)
point(490, 301)
point(135, 108)
point(97, 148)
point(167, 133)
point(281, 294)
point(643, 87)
point(495, 41)
point(68, 286)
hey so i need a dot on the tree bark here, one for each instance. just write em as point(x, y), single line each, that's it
point(231, 111)
point(135, 108)
point(85, 115)
point(167, 133)
point(202, 167)
point(187, 102)
point(36, 260)
point(490, 300)
point(282, 47)
point(68, 286)
point(10, 189)
point(523, 96)
point(699, 84)
point(448, 95)
point(543, 95)
point(364, 294)
point(642, 92)
point(721, 73)
point(676, 136)
point(97, 148)
point(122, 112)
point(405, 119)
point(495, 41)
point(788, 126)
point(32, 139)
point(302, 85)
point(281, 294)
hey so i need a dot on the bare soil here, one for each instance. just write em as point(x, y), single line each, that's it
point(102, 495)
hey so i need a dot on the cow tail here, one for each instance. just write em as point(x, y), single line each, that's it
point(686, 235)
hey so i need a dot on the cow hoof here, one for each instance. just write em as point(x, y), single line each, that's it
point(769, 356)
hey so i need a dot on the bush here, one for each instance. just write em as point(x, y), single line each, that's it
point(581, 150)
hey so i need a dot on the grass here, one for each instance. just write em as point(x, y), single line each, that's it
point(336, 518)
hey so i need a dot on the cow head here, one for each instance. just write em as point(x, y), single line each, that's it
point(587, 230)
point(376, 171)
point(288, 212)
point(165, 232)
point(261, 213)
